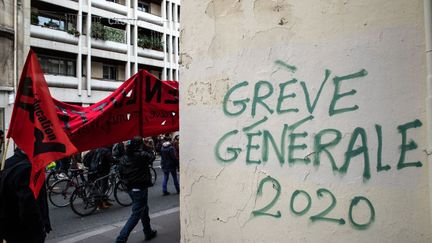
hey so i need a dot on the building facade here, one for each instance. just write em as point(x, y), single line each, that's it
point(314, 120)
point(87, 48)
point(14, 45)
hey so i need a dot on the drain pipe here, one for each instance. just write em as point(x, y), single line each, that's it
point(15, 45)
point(428, 32)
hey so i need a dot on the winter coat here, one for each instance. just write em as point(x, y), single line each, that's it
point(169, 161)
point(134, 169)
point(27, 217)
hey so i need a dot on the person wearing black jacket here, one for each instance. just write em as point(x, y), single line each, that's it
point(135, 173)
point(27, 218)
point(169, 163)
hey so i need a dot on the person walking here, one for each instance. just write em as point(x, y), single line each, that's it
point(135, 174)
point(23, 218)
point(100, 166)
point(169, 163)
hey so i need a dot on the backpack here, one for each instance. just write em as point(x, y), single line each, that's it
point(89, 157)
point(118, 150)
point(3, 176)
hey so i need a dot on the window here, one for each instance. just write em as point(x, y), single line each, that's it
point(52, 22)
point(143, 6)
point(57, 66)
point(113, 1)
point(109, 72)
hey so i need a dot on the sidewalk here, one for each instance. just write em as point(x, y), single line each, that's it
point(167, 223)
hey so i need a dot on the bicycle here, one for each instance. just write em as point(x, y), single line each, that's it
point(60, 191)
point(86, 198)
point(54, 175)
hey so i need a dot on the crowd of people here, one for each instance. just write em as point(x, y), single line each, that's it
point(28, 218)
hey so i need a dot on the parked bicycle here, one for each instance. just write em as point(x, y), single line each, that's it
point(60, 191)
point(53, 175)
point(86, 198)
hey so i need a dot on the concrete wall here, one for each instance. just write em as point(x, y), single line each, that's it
point(311, 121)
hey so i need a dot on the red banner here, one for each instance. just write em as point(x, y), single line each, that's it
point(47, 129)
point(142, 105)
point(35, 126)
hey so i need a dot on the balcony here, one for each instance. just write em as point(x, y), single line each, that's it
point(150, 18)
point(109, 45)
point(149, 53)
point(108, 38)
point(105, 85)
point(110, 6)
point(53, 34)
point(61, 81)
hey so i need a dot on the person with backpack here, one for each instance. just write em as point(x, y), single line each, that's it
point(135, 174)
point(100, 166)
point(22, 217)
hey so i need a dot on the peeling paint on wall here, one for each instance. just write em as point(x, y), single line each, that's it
point(304, 122)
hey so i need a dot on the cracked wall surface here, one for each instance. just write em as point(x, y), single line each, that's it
point(303, 121)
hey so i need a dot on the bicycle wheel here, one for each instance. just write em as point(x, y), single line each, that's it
point(153, 175)
point(121, 194)
point(83, 201)
point(54, 176)
point(60, 192)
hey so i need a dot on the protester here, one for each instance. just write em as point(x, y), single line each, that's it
point(135, 173)
point(24, 218)
point(101, 166)
point(169, 163)
point(118, 150)
point(65, 164)
point(159, 142)
point(176, 144)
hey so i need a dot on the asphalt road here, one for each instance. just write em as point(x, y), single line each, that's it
point(64, 222)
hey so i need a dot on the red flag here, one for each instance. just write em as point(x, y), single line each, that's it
point(34, 126)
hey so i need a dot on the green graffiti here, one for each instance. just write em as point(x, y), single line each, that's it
point(250, 147)
point(299, 123)
point(320, 147)
point(234, 151)
point(404, 147)
point(242, 103)
point(267, 136)
point(245, 129)
point(292, 147)
point(308, 206)
point(354, 202)
point(320, 216)
point(311, 107)
point(351, 152)
point(257, 99)
point(277, 187)
point(336, 95)
point(380, 167)
point(282, 97)
point(285, 65)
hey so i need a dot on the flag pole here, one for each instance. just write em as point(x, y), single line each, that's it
point(4, 154)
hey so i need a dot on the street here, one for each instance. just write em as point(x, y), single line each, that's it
point(65, 223)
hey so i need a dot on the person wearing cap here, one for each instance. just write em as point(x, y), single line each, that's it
point(135, 174)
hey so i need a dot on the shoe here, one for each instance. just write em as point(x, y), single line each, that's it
point(150, 236)
point(166, 193)
point(102, 206)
